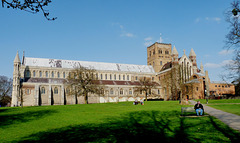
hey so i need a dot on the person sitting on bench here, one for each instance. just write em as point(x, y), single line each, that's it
point(199, 108)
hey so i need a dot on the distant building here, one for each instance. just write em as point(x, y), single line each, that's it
point(41, 81)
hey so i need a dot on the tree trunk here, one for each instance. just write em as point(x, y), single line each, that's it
point(146, 96)
point(86, 98)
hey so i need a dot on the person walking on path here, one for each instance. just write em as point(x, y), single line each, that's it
point(199, 108)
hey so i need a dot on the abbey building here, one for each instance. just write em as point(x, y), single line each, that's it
point(41, 81)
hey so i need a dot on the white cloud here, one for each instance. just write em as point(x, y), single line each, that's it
point(124, 34)
point(148, 39)
point(226, 52)
point(197, 20)
point(222, 64)
point(216, 19)
point(148, 43)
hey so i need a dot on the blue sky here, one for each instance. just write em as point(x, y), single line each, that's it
point(117, 31)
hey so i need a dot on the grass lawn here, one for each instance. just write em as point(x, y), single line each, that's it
point(110, 122)
point(215, 101)
point(231, 108)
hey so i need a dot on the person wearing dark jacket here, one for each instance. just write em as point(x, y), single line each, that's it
point(199, 108)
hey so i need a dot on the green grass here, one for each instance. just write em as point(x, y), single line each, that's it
point(110, 122)
point(216, 101)
point(231, 108)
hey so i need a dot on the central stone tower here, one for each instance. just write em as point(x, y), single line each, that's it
point(158, 54)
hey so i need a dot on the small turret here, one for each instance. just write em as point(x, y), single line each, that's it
point(16, 80)
point(174, 56)
point(201, 68)
point(192, 57)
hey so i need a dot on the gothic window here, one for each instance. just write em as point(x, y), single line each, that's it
point(40, 74)
point(123, 77)
point(130, 91)
point(110, 77)
point(96, 76)
point(127, 77)
point(111, 91)
point(64, 75)
point(167, 52)
point(58, 75)
point(115, 77)
point(121, 91)
point(160, 63)
point(119, 77)
point(46, 74)
point(27, 91)
point(43, 90)
point(55, 90)
point(106, 76)
point(52, 74)
point(160, 51)
point(101, 76)
point(158, 91)
point(34, 73)
point(153, 52)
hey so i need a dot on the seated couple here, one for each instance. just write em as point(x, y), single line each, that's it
point(199, 108)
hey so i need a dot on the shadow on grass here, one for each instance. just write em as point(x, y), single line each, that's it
point(150, 126)
point(9, 119)
point(134, 127)
point(234, 136)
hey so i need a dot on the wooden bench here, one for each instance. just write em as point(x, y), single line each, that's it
point(187, 109)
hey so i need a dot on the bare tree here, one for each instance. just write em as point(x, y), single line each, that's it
point(82, 81)
point(146, 86)
point(233, 41)
point(32, 6)
point(5, 90)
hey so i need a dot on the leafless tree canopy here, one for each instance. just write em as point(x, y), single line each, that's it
point(82, 81)
point(233, 41)
point(5, 90)
point(146, 85)
point(32, 6)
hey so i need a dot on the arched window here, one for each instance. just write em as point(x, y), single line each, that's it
point(55, 90)
point(153, 52)
point(96, 76)
point(64, 75)
point(160, 63)
point(130, 91)
point(167, 52)
point(101, 76)
point(115, 77)
point(106, 76)
point(194, 77)
point(52, 74)
point(34, 73)
point(123, 77)
point(27, 73)
point(127, 77)
point(121, 91)
point(111, 91)
point(46, 74)
point(150, 53)
point(43, 90)
point(110, 77)
point(119, 77)
point(136, 78)
point(158, 91)
point(40, 74)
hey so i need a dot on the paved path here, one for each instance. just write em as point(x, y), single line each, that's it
point(231, 120)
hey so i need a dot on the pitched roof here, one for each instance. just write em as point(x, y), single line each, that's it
point(56, 63)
